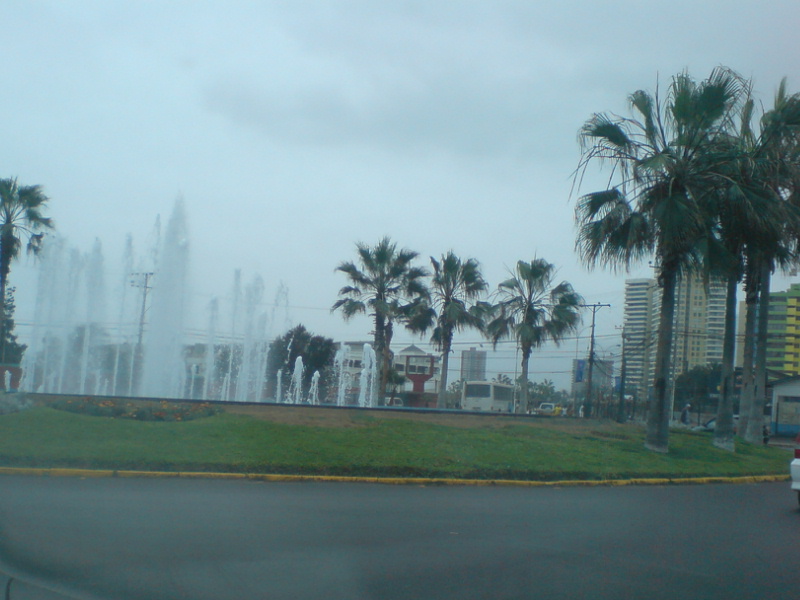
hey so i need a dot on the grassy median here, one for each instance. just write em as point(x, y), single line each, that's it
point(358, 443)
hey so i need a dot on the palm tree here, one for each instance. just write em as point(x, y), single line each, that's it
point(754, 225)
point(770, 171)
point(741, 218)
point(456, 286)
point(20, 219)
point(533, 310)
point(666, 169)
point(386, 285)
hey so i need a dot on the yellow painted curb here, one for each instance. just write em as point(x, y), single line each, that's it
point(391, 480)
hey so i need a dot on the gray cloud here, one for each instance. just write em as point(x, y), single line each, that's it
point(450, 114)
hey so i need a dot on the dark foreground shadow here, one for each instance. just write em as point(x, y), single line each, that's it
point(16, 589)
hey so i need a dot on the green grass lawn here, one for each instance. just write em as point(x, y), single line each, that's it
point(544, 450)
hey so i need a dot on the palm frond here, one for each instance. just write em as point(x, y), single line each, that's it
point(646, 105)
point(603, 128)
point(20, 217)
point(349, 307)
point(610, 233)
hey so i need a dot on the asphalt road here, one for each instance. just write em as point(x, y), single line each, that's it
point(207, 539)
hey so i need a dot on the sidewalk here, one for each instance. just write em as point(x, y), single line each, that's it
point(782, 442)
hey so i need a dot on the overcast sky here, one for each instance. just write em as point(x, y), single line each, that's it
point(294, 129)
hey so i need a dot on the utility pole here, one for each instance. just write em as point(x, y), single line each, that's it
point(143, 282)
point(595, 307)
point(621, 406)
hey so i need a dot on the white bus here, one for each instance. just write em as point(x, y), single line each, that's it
point(487, 396)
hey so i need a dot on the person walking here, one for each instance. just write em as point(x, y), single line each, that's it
point(685, 414)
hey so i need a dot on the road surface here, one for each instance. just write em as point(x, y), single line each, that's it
point(214, 539)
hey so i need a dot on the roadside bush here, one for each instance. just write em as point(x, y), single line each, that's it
point(139, 410)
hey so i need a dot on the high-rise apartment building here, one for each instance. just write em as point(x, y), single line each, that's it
point(640, 334)
point(699, 324)
point(783, 333)
point(473, 365)
point(698, 328)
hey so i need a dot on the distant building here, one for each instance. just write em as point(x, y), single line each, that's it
point(473, 365)
point(602, 377)
point(783, 332)
point(640, 334)
point(699, 323)
point(420, 368)
point(698, 329)
point(785, 415)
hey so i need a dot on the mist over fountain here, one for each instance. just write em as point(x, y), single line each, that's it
point(162, 368)
point(132, 335)
point(142, 348)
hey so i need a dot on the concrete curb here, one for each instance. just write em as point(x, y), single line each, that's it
point(86, 473)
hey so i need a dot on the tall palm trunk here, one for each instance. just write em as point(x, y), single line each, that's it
point(6, 244)
point(380, 345)
point(657, 436)
point(723, 432)
point(522, 408)
point(748, 373)
point(447, 342)
point(755, 422)
point(386, 362)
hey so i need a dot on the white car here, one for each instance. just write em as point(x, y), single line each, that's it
point(795, 468)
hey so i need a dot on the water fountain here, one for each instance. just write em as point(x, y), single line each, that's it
point(142, 349)
point(313, 392)
point(163, 365)
point(279, 387)
point(342, 378)
point(367, 382)
point(255, 345)
point(295, 391)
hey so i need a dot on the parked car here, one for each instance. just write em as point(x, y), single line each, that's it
point(711, 425)
point(794, 468)
point(547, 409)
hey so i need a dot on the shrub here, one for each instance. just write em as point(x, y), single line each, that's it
point(140, 410)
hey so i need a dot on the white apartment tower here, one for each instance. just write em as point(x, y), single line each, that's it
point(640, 334)
point(699, 323)
point(473, 365)
point(697, 333)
